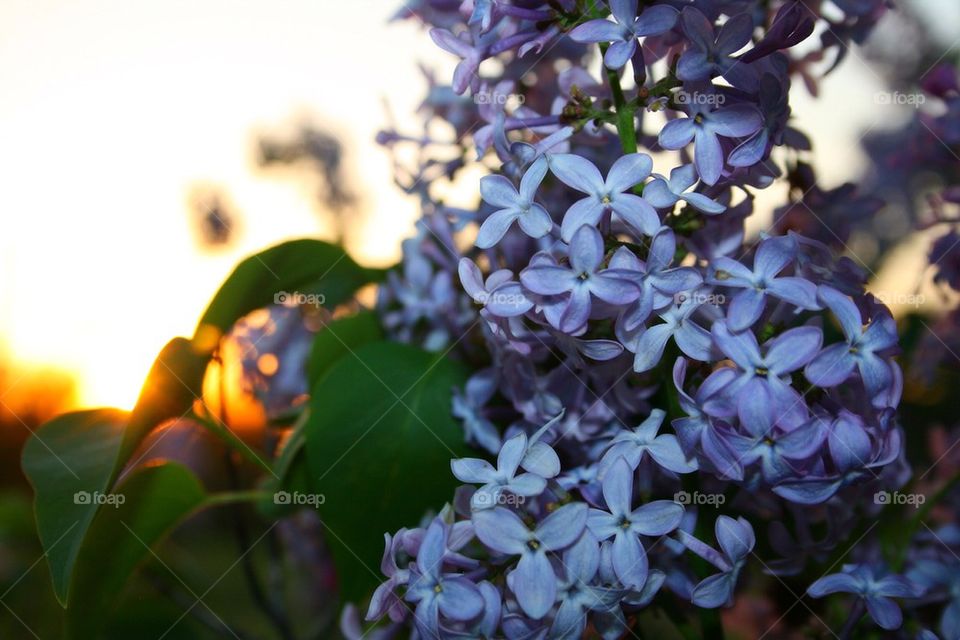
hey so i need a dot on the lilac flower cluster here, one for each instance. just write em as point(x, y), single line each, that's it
point(628, 313)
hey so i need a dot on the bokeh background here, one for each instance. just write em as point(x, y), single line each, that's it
point(146, 147)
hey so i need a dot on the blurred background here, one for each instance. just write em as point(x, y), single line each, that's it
point(146, 147)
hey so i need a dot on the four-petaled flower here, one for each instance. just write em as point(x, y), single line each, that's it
point(605, 196)
point(704, 126)
point(762, 377)
point(436, 592)
point(631, 445)
point(876, 592)
point(665, 192)
point(773, 256)
point(625, 524)
point(503, 478)
point(581, 281)
point(861, 351)
point(623, 33)
point(514, 206)
point(710, 55)
point(533, 581)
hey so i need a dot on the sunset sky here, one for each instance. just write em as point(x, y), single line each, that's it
point(111, 110)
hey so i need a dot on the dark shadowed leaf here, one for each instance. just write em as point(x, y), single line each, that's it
point(304, 266)
point(380, 438)
point(338, 339)
point(148, 505)
point(70, 461)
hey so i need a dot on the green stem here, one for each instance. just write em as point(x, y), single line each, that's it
point(233, 441)
point(234, 497)
point(625, 126)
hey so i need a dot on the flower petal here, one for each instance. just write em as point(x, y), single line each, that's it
point(577, 172)
point(629, 170)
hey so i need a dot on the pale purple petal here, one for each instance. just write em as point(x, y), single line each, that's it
point(498, 191)
point(619, 53)
point(597, 31)
point(501, 530)
point(562, 527)
point(637, 213)
point(535, 584)
point(495, 227)
point(677, 134)
point(708, 156)
point(536, 222)
point(473, 470)
point(650, 347)
point(745, 308)
point(586, 211)
point(656, 20)
point(831, 366)
point(547, 280)
point(629, 170)
point(658, 518)
point(793, 348)
point(629, 560)
point(577, 172)
point(586, 250)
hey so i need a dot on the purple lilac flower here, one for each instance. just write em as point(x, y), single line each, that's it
point(436, 592)
point(863, 349)
point(659, 283)
point(577, 593)
point(777, 449)
point(763, 377)
point(665, 192)
point(875, 589)
point(502, 479)
point(468, 406)
point(533, 581)
point(582, 281)
point(704, 126)
point(736, 540)
point(625, 29)
point(499, 294)
point(773, 256)
point(605, 196)
point(648, 343)
point(625, 524)
point(710, 55)
point(633, 445)
point(514, 206)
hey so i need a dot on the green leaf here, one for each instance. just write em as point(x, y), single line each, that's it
point(305, 266)
point(380, 438)
point(154, 500)
point(338, 339)
point(175, 380)
point(70, 460)
point(85, 452)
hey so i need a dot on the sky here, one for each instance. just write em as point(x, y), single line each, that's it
point(111, 110)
